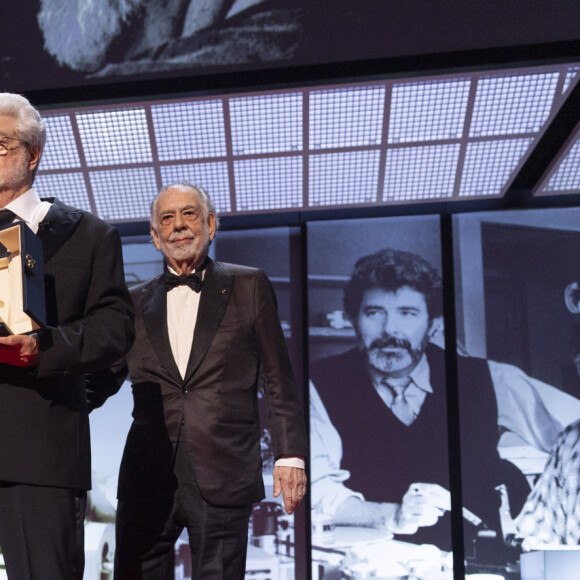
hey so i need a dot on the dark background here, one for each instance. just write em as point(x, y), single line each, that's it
point(342, 37)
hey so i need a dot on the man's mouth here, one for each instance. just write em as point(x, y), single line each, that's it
point(181, 240)
point(389, 352)
point(392, 345)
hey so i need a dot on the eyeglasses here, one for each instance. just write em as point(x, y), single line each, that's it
point(4, 145)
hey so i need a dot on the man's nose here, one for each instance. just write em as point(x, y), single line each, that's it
point(389, 326)
point(178, 222)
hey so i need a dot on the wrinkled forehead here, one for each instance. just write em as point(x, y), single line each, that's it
point(177, 198)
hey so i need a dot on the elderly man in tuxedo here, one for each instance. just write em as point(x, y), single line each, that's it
point(45, 460)
point(207, 332)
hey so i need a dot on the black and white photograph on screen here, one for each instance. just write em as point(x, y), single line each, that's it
point(115, 38)
point(517, 304)
point(77, 41)
point(273, 533)
point(71, 43)
point(378, 417)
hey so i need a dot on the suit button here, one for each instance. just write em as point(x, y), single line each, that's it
point(185, 391)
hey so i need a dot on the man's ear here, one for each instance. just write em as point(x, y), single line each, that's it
point(35, 154)
point(211, 221)
point(435, 327)
point(155, 238)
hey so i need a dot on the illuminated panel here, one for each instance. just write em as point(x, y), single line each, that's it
point(189, 130)
point(115, 137)
point(322, 146)
point(571, 76)
point(343, 178)
point(213, 177)
point(489, 164)
point(61, 150)
point(69, 188)
point(566, 178)
point(265, 184)
point(428, 110)
point(138, 184)
point(512, 104)
point(266, 123)
point(413, 173)
point(346, 117)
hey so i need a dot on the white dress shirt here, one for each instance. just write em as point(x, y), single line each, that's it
point(182, 307)
point(29, 209)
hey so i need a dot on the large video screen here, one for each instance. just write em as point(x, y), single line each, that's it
point(518, 329)
point(383, 396)
point(384, 401)
point(64, 43)
point(378, 400)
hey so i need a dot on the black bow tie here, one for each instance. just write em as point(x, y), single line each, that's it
point(192, 280)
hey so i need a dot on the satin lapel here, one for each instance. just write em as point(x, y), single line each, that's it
point(154, 305)
point(57, 227)
point(215, 295)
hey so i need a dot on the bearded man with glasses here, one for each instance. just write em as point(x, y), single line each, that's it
point(45, 463)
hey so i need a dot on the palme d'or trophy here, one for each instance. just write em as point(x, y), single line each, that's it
point(22, 305)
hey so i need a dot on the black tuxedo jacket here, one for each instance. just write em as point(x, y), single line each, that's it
point(237, 340)
point(44, 427)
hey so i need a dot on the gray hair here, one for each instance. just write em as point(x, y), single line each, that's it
point(30, 127)
point(208, 205)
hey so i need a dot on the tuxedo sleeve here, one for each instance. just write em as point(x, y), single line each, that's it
point(285, 415)
point(99, 328)
point(101, 385)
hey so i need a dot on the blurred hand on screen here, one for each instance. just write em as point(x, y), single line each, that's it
point(422, 505)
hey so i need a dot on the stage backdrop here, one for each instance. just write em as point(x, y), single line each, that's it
point(517, 307)
point(358, 449)
point(65, 43)
point(517, 300)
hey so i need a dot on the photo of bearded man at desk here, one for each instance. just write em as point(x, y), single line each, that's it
point(378, 413)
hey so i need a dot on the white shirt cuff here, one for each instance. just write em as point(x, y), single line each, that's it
point(290, 462)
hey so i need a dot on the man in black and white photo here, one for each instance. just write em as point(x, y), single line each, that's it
point(379, 413)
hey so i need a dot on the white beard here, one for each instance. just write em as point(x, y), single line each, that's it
point(78, 32)
point(14, 178)
point(189, 251)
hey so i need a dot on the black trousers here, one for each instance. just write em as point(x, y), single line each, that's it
point(42, 531)
point(146, 533)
